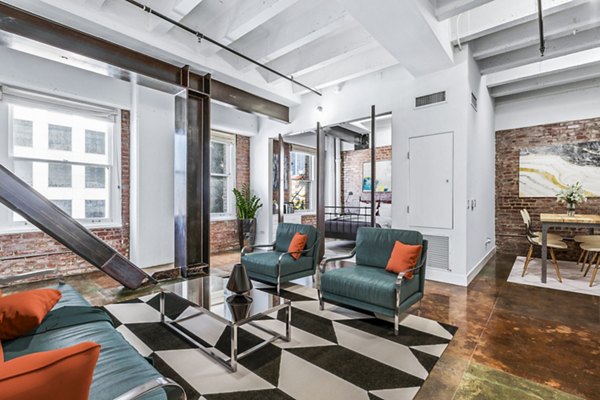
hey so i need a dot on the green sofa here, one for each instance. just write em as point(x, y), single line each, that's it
point(365, 284)
point(120, 373)
point(277, 265)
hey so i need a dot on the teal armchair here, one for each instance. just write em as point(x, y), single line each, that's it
point(277, 265)
point(365, 284)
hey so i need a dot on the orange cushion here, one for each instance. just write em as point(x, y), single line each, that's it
point(22, 312)
point(404, 256)
point(50, 375)
point(1, 353)
point(297, 244)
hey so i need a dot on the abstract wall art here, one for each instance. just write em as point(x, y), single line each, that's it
point(545, 170)
point(384, 176)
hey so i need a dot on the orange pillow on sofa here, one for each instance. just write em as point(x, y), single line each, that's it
point(22, 312)
point(404, 256)
point(297, 244)
point(51, 375)
point(1, 353)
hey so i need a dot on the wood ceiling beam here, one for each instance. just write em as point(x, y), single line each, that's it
point(34, 27)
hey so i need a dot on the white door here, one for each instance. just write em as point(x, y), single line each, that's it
point(431, 168)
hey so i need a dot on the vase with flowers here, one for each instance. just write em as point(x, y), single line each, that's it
point(572, 195)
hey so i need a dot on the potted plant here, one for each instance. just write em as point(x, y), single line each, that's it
point(571, 196)
point(247, 205)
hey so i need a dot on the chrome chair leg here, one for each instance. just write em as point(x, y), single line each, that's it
point(321, 302)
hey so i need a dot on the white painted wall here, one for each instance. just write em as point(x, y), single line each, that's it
point(394, 90)
point(481, 195)
point(548, 108)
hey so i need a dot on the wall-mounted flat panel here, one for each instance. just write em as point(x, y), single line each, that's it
point(431, 183)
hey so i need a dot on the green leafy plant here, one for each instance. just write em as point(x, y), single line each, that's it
point(572, 194)
point(247, 204)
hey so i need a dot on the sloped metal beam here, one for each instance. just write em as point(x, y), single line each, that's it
point(41, 212)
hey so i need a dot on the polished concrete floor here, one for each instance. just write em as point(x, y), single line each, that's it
point(513, 341)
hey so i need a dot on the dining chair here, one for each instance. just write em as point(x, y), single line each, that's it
point(529, 224)
point(535, 241)
point(583, 256)
point(593, 249)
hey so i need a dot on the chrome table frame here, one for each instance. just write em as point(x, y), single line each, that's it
point(231, 362)
point(551, 224)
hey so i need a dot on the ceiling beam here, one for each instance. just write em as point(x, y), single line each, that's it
point(445, 9)
point(322, 52)
point(364, 63)
point(408, 30)
point(549, 91)
point(554, 48)
point(557, 25)
point(551, 80)
point(31, 26)
point(176, 11)
point(293, 28)
point(503, 14)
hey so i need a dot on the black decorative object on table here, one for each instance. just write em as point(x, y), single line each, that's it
point(239, 282)
point(239, 306)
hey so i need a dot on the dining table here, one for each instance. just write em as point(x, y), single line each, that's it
point(548, 221)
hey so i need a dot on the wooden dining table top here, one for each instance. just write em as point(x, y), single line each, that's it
point(575, 219)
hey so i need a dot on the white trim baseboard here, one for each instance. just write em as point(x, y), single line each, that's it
point(479, 266)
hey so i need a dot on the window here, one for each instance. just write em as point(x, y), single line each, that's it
point(221, 174)
point(60, 175)
point(301, 188)
point(66, 154)
point(23, 132)
point(95, 208)
point(95, 142)
point(95, 177)
point(59, 137)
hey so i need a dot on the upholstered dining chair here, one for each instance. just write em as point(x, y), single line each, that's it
point(277, 265)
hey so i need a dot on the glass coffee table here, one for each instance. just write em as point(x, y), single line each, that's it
point(209, 296)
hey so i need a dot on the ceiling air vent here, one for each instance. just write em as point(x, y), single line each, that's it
point(474, 101)
point(429, 99)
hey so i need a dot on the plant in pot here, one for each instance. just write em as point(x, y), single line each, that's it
point(247, 205)
point(571, 196)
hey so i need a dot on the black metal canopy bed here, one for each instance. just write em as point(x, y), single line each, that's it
point(342, 222)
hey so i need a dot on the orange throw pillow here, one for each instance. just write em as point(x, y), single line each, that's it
point(297, 244)
point(22, 312)
point(51, 375)
point(1, 353)
point(404, 256)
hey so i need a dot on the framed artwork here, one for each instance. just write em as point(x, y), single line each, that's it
point(384, 177)
point(545, 170)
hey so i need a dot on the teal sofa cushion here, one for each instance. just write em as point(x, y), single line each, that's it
point(374, 245)
point(266, 263)
point(120, 367)
point(370, 285)
point(285, 233)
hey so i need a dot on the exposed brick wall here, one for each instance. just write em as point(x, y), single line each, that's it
point(41, 251)
point(352, 171)
point(224, 234)
point(509, 224)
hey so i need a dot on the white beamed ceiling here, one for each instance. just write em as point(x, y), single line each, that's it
point(327, 42)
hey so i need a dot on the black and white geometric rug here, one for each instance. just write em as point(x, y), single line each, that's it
point(334, 354)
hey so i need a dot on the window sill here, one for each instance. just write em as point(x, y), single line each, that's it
point(31, 228)
point(223, 218)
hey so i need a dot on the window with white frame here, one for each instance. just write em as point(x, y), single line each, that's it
point(222, 175)
point(302, 178)
point(67, 154)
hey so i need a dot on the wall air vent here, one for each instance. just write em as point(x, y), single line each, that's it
point(473, 101)
point(438, 252)
point(430, 99)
